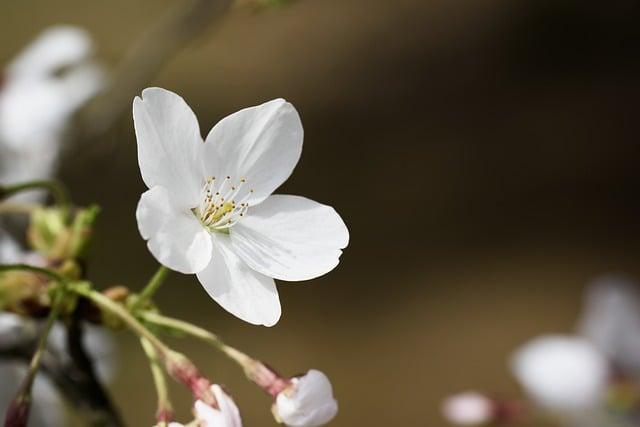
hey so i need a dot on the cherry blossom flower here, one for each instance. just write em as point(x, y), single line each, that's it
point(562, 373)
point(40, 90)
point(210, 210)
point(226, 415)
point(307, 402)
point(468, 409)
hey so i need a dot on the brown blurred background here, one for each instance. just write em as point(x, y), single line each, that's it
point(483, 154)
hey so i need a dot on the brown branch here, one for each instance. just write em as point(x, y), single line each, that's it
point(98, 407)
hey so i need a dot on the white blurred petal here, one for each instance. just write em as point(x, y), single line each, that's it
point(611, 320)
point(54, 48)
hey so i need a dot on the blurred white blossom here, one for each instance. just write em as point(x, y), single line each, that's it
point(611, 321)
point(307, 402)
point(210, 210)
point(562, 373)
point(40, 90)
point(226, 415)
point(468, 409)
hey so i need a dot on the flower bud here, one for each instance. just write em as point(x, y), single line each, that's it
point(225, 415)
point(306, 402)
point(468, 409)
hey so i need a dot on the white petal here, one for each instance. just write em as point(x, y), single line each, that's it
point(290, 238)
point(227, 415)
point(175, 237)
point(169, 144)
point(55, 48)
point(261, 144)
point(237, 288)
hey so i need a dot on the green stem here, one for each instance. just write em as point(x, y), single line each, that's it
point(176, 364)
point(165, 409)
point(150, 289)
point(26, 267)
point(58, 191)
point(132, 323)
point(196, 331)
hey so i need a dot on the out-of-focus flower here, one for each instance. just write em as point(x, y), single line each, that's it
point(225, 415)
point(307, 402)
point(41, 89)
point(468, 409)
point(209, 208)
point(611, 321)
point(562, 374)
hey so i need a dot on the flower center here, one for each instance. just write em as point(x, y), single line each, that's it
point(223, 203)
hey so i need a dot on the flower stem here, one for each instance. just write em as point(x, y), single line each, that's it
point(176, 364)
point(150, 289)
point(198, 332)
point(58, 191)
point(132, 323)
point(165, 409)
point(18, 412)
point(26, 267)
point(259, 373)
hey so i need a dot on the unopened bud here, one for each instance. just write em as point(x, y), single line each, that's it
point(306, 402)
point(18, 412)
point(469, 409)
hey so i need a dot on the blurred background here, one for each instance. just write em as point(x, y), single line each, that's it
point(483, 154)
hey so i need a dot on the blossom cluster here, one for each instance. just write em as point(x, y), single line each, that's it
point(209, 210)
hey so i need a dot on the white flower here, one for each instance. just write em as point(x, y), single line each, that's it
point(209, 208)
point(562, 373)
point(227, 414)
point(308, 402)
point(611, 320)
point(40, 91)
point(468, 409)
